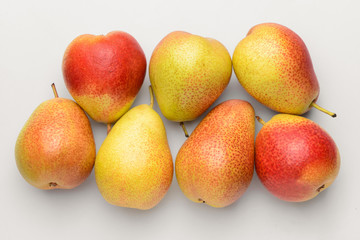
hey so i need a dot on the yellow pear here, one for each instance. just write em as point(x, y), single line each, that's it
point(188, 73)
point(134, 167)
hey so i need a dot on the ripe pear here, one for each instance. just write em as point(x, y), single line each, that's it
point(273, 64)
point(104, 73)
point(134, 166)
point(295, 158)
point(188, 73)
point(216, 163)
point(56, 148)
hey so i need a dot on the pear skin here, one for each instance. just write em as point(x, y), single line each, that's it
point(188, 73)
point(134, 167)
point(295, 158)
point(274, 66)
point(56, 148)
point(215, 165)
point(104, 73)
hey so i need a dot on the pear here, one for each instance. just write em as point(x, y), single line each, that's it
point(188, 73)
point(273, 64)
point(56, 148)
point(216, 163)
point(295, 158)
point(104, 73)
point(134, 166)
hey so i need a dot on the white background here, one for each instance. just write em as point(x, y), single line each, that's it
point(33, 37)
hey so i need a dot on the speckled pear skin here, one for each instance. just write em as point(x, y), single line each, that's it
point(295, 158)
point(188, 73)
point(56, 148)
point(104, 73)
point(134, 167)
point(216, 163)
point(274, 66)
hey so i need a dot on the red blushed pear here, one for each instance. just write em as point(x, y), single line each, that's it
point(216, 163)
point(273, 64)
point(295, 158)
point(56, 147)
point(104, 73)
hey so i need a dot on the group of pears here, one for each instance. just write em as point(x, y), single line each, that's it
point(294, 158)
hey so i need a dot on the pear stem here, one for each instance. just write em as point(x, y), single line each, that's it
point(108, 128)
point(184, 129)
point(260, 120)
point(151, 97)
point(54, 90)
point(313, 104)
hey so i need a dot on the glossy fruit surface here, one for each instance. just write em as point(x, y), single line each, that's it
point(295, 158)
point(104, 73)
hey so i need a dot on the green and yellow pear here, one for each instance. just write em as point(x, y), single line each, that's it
point(216, 163)
point(134, 167)
point(273, 64)
point(56, 148)
point(188, 73)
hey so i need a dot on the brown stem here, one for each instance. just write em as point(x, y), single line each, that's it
point(260, 120)
point(184, 129)
point(54, 90)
